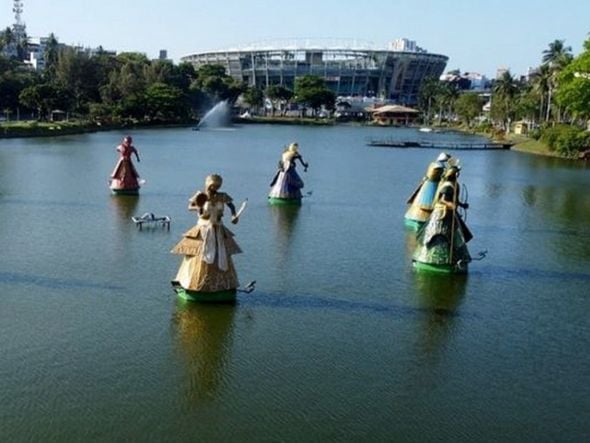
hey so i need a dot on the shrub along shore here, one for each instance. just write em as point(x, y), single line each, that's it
point(560, 141)
point(32, 128)
point(549, 144)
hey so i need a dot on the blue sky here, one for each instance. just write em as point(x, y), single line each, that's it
point(477, 35)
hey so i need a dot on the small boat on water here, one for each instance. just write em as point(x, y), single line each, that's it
point(425, 129)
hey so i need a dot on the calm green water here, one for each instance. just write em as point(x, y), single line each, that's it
point(341, 341)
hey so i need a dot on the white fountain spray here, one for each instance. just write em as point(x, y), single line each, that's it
point(217, 116)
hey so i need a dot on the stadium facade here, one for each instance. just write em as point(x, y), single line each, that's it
point(348, 69)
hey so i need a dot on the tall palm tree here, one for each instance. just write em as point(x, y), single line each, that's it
point(446, 94)
point(541, 83)
point(505, 90)
point(505, 86)
point(428, 91)
point(451, 97)
point(557, 56)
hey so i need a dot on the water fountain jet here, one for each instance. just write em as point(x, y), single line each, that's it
point(217, 116)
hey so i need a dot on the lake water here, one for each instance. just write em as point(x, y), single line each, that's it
point(341, 341)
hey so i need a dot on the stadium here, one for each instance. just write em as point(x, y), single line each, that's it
point(394, 73)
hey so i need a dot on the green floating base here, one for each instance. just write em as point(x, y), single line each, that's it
point(413, 224)
point(228, 296)
point(284, 201)
point(125, 191)
point(441, 269)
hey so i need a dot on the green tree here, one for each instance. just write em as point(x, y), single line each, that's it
point(429, 90)
point(279, 97)
point(126, 86)
point(50, 55)
point(446, 95)
point(165, 102)
point(573, 92)
point(210, 79)
point(158, 71)
point(6, 38)
point(527, 103)
point(503, 107)
point(43, 98)
point(469, 106)
point(135, 58)
point(182, 76)
point(213, 81)
point(80, 75)
point(557, 56)
point(311, 91)
point(14, 77)
point(541, 84)
point(254, 97)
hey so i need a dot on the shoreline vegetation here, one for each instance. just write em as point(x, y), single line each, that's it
point(79, 92)
point(27, 129)
point(520, 143)
point(33, 128)
point(523, 143)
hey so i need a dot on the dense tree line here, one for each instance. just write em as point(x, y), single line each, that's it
point(554, 100)
point(112, 88)
point(129, 86)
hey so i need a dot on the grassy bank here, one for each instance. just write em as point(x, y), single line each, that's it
point(529, 145)
point(51, 129)
point(44, 129)
point(519, 143)
point(532, 146)
point(23, 129)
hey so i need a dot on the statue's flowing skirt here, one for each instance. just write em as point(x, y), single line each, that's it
point(442, 240)
point(287, 184)
point(207, 265)
point(124, 175)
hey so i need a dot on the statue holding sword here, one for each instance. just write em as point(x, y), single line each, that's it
point(207, 272)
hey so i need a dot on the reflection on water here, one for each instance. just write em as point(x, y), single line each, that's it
point(438, 296)
point(568, 204)
point(440, 293)
point(124, 207)
point(284, 221)
point(529, 196)
point(204, 337)
point(569, 209)
point(443, 353)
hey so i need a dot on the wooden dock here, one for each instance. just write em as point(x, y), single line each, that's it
point(389, 143)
